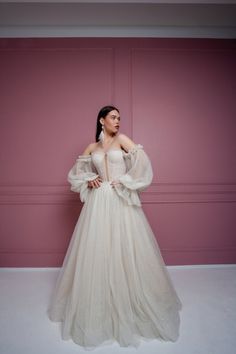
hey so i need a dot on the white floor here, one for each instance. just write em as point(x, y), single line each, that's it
point(208, 317)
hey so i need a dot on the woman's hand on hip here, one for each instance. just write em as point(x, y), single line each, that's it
point(95, 183)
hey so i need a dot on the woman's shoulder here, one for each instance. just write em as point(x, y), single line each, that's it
point(122, 136)
point(90, 148)
point(125, 142)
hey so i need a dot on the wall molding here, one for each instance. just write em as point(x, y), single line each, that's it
point(64, 44)
point(118, 31)
point(156, 193)
point(62, 251)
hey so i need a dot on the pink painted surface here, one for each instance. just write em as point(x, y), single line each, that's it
point(176, 97)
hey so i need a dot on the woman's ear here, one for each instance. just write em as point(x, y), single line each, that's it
point(102, 120)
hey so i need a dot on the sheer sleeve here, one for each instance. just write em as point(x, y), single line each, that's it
point(138, 176)
point(79, 175)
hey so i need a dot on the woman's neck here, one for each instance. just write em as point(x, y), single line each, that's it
point(108, 137)
point(108, 140)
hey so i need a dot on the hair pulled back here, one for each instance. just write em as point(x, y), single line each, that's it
point(102, 114)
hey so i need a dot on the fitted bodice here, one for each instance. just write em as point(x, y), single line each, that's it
point(110, 165)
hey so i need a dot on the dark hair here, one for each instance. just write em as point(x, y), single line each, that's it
point(102, 114)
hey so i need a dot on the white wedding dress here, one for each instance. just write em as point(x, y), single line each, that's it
point(113, 284)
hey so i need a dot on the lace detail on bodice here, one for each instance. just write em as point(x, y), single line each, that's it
point(110, 165)
point(131, 170)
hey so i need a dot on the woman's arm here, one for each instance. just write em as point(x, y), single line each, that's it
point(125, 142)
point(95, 183)
point(82, 173)
point(89, 149)
point(138, 175)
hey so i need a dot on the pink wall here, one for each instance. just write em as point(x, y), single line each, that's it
point(176, 97)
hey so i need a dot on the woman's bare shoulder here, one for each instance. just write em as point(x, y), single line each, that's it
point(125, 142)
point(90, 148)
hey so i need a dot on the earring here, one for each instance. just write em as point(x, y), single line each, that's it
point(101, 135)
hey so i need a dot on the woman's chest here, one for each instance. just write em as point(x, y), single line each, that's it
point(110, 164)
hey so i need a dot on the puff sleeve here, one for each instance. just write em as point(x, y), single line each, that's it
point(138, 176)
point(79, 175)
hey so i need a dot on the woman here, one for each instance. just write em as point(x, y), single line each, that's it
point(113, 284)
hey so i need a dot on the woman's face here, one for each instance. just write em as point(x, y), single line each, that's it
point(111, 122)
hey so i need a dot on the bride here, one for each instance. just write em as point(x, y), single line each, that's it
point(113, 284)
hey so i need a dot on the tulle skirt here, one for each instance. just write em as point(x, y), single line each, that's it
point(113, 284)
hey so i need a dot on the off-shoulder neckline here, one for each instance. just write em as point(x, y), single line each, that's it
point(126, 153)
point(100, 151)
